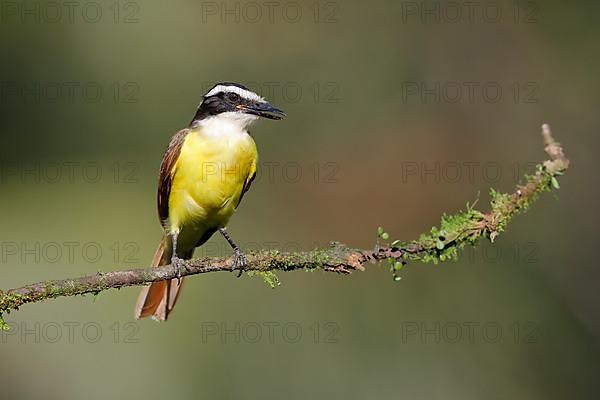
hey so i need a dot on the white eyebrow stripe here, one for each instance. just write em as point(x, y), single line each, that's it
point(248, 95)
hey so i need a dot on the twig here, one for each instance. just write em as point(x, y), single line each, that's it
point(440, 244)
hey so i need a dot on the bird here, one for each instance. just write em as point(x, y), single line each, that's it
point(205, 172)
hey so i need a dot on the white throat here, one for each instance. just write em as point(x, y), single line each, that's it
point(227, 124)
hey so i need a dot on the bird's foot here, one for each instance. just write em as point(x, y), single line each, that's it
point(240, 262)
point(180, 265)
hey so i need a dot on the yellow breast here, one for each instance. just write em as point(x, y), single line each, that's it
point(210, 174)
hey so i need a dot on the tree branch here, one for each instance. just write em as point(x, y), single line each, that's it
point(440, 244)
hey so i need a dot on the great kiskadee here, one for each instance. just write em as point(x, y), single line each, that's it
point(204, 174)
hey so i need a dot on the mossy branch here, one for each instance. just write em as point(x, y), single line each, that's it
point(440, 244)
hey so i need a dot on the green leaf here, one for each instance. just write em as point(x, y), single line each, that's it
point(555, 184)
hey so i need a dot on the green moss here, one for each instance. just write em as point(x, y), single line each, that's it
point(443, 243)
point(52, 291)
point(11, 301)
point(3, 325)
point(269, 277)
point(455, 231)
point(8, 302)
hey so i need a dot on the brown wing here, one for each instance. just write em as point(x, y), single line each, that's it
point(247, 183)
point(167, 171)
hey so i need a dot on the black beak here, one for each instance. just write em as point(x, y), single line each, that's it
point(264, 110)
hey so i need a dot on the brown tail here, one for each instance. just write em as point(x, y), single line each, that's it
point(158, 299)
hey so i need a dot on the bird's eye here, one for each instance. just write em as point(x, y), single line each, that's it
point(233, 97)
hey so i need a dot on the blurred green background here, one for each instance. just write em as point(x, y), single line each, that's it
point(79, 172)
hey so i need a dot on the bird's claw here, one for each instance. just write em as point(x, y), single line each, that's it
point(240, 262)
point(180, 265)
